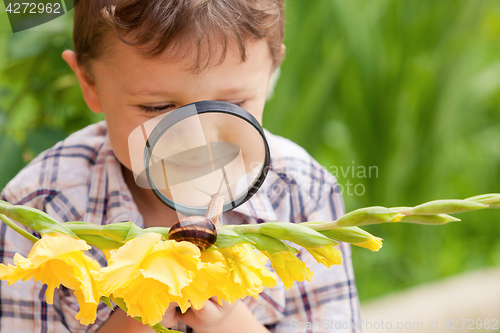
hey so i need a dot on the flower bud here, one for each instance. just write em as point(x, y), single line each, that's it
point(429, 219)
point(265, 243)
point(34, 219)
point(119, 232)
point(354, 236)
point(288, 267)
point(295, 233)
point(327, 255)
point(492, 199)
point(370, 215)
point(446, 207)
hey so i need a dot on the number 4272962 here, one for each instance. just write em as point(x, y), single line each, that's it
point(471, 324)
point(33, 8)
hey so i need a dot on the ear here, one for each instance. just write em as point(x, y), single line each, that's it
point(279, 58)
point(282, 51)
point(281, 55)
point(86, 84)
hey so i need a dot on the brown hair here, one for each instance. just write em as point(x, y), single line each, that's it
point(155, 25)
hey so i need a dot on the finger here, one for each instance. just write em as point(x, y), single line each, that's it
point(172, 307)
point(207, 313)
point(215, 301)
point(224, 305)
point(171, 316)
point(170, 320)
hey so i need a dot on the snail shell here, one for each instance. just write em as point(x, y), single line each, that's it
point(198, 230)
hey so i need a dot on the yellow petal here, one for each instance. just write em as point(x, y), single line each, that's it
point(262, 257)
point(373, 244)
point(248, 275)
point(87, 313)
point(4, 271)
point(148, 281)
point(165, 268)
point(172, 263)
point(53, 246)
point(327, 255)
point(59, 259)
point(289, 268)
point(124, 263)
point(145, 298)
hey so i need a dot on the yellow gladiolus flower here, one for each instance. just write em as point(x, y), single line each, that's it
point(56, 260)
point(373, 244)
point(327, 255)
point(148, 274)
point(289, 268)
point(247, 274)
point(208, 281)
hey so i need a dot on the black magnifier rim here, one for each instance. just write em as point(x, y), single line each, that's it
point(202, 107)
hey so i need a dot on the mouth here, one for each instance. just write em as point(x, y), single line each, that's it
point(214, 157)
point(196, 162)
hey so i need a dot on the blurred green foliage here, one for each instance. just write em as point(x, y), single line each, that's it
point(413, 88)
point(40, 100)
point(409, 87)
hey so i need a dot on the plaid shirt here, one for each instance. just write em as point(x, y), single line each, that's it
point(80, 179)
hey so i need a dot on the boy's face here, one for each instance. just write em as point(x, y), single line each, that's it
point(130, 89)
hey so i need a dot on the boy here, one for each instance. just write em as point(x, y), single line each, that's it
point(135, 60)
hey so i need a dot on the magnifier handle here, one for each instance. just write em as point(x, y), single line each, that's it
point(214, 210)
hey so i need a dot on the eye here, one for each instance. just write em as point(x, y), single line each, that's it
point(157, 108)
point(238, 103)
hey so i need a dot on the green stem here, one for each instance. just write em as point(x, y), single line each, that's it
point(245, 228)
point(321, 226)
point(18, 229)
point(160, 230)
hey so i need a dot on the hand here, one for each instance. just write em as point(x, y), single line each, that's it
point(120, 322)
point(209, 316)
point(171, 316)
point(222, 318)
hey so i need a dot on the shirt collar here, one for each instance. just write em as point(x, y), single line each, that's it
point(258, 206)
point(110, 200)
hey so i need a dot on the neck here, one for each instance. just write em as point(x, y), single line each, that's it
point(154, 212)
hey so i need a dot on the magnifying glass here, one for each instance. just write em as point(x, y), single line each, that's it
point(198, 149)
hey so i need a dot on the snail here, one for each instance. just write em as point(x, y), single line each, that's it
point(200, 230)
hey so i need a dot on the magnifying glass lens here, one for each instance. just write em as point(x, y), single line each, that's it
point(191, 154)
point(198, 154)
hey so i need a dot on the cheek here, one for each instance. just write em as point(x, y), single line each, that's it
point(121, 122)
point(256, 109)
point(121, 119)
point(118, 135)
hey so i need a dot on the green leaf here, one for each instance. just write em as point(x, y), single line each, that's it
point(107, 301)
point(34, 219)
point(159, 328)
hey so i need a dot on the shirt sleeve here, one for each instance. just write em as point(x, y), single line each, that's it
point(329, 302)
